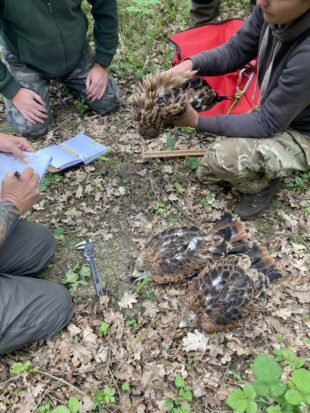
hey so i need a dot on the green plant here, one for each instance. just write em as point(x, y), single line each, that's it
point(179, 188)
point(170, 141)
point(50, 179)
point(104, 328)
point(81, 106)
point(160, 208)
point(76, 277)
point(270, 392)
point(105, 396)
point(208, 199)
point(126, 387)
point(301, 182)
point(184, 393)
point(72, 407)
point(306, 207)
point(192, 162)
point(133, 324)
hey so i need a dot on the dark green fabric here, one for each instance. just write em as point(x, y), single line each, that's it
point(49, 35)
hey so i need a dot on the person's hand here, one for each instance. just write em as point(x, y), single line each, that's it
point(96, 82)
point(15, 145)
point(181, 67)
point(30, 105)
point(190, 117)
point(23, 190)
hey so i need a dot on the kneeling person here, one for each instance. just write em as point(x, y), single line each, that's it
point(49, 41)
point(265, 145)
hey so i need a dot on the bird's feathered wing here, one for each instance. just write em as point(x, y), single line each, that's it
point(179, 254)
point(228, 290)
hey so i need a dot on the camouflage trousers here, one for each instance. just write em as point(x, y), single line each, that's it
point(31, 79)
point(250, 164)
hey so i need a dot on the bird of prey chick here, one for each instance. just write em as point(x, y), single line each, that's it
point(225, 274)
point(179, 254)
point(228, 290)
point(159, 99)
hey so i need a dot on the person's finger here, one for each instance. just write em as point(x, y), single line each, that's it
point(38, 98)
point(27, 117)
point(36, 178)
point(24, 145)
point(19, 154)
point(35, 119)
point(88, 82)
point(39, 107)
point(39, 114)
point(27, 173)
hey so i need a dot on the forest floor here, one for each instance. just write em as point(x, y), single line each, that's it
point(119, 201)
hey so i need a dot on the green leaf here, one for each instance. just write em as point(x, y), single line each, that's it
point(277, 389)
point(192, 162)
point(186, 393)
point(85, 271)
point(74, 405)
point(45, 408)
point(266, 369)
point(71, 277)
point(262, 389)
point(301, 379)
point(179, 188)
point(251, 407)
point(18, 368)
point(179, 381)
point(293, 397)
point(126, 387)
point(249, 392)
point(104, 328)
point(170, 142)
point(61, 409)
point(274, 409)
point(243, 400)
point(169, 403)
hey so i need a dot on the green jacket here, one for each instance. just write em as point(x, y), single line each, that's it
point(49, 35)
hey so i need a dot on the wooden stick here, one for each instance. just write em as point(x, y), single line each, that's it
point(170, 154)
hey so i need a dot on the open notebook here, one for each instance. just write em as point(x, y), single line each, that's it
point(80, 149)
point(9, 162)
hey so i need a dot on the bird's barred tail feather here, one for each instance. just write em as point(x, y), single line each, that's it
point(230, 228)
point(264, 263)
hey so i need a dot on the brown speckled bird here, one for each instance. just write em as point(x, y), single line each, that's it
point(228, 290)
point(179, 254)
point(160, 99)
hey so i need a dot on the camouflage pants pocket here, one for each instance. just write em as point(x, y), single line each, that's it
point(250, 164)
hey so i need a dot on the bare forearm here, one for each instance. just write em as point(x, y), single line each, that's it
point(8, 216)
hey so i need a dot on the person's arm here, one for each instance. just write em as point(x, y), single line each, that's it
point(278, 110)
point(8, 216)
point(234, 54)
point(105, 30)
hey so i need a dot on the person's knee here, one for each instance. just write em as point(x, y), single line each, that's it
point(224, 159)
point(40, 309)
point(110, 101)
point(25, 128)
point(61, 306)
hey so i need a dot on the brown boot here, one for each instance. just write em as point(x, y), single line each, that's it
point(203, 11)
point(252, 205)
